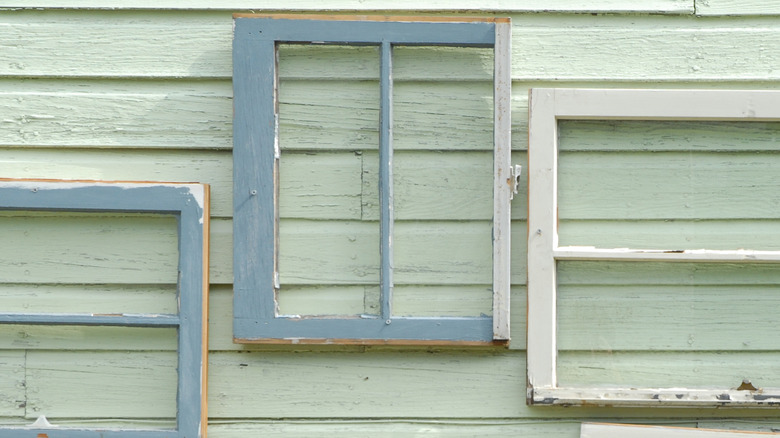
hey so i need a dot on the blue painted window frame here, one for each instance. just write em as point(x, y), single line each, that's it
point(189, 204)
point(255, 168)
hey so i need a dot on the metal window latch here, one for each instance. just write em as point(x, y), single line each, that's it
point(514, 175)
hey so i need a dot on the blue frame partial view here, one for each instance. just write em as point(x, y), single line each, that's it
point(256, 159)
point(189, 204)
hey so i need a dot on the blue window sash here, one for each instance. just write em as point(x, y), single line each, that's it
point(189, 203)
point(255, 196)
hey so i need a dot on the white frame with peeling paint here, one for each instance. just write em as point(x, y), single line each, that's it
point(607, 430)
point(546, 108)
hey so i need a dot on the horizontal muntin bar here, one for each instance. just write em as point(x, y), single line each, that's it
point(96, 319)
point(671, 255)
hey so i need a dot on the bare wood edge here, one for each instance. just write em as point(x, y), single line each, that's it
point(399, 342)
point(402, 18)
point(677, 428)
point(204, 416)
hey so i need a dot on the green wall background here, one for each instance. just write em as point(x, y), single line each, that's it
point(142, 91)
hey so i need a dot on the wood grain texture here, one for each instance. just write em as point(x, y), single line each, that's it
point(339, 114)
point(331, 62)
point(70, 249)
point(434, 185)
point(56, 44)
point(666, 318)
point(333, 236)
point(424, 63)
point(655, 6)
point(668, 370)
point(328, 114)
point(443, 253)
point(678, 273)
point(81, 298)
point(737, 7)
point(667, 136)
point(80, 338)
point(443, 115)
point(614, 50)
point(213, 167)
point(397, 427)
point(316, 385)
point(314, 185)
point(321, 185)
point(546, 47)
point(348, 253)
point(95, 384)
point(12, 386)
point(667, 185)
point(442, 300)
point(313, 252)
point(359, 385)
point(97, 113)
point(328, 300)
point(672, 234)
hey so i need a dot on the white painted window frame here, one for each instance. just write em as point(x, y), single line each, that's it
point(606, 430)
point(546, 108)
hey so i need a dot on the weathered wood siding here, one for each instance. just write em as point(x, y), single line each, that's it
point(142, 91)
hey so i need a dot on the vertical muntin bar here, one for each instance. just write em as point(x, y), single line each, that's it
point(386, 215)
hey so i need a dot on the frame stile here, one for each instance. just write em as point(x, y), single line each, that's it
point(542, 238)
point(204, 341)
point(386, 178)
point(254, 200)
point(191, 244)
point(502, 128)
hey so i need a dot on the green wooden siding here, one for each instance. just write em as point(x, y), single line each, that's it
point(143, 92)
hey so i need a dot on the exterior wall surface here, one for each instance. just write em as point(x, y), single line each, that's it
point(141, 90)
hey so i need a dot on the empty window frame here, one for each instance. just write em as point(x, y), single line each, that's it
point(256, 158)
point(190, 204)
point(547, 108)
